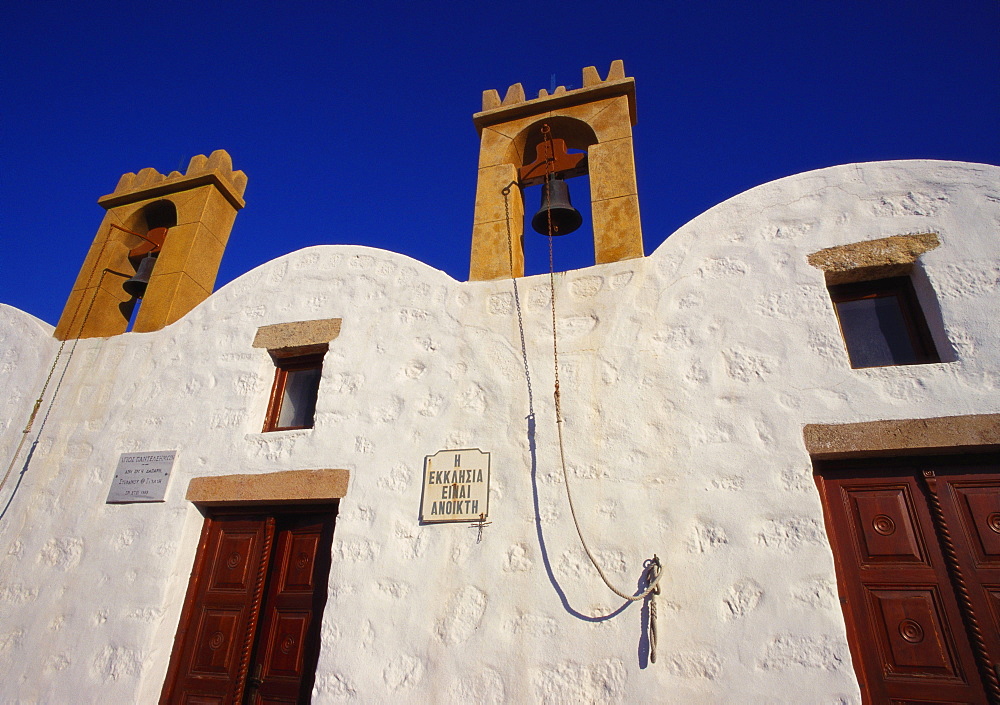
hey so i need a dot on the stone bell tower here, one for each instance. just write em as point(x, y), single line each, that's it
point(183, 220)
point(597, 119)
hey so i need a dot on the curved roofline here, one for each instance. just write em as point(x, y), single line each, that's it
point(862, 167)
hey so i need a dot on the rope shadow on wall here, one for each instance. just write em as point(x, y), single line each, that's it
point(644, 647)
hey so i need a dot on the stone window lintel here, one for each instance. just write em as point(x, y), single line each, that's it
point(298, 337)
point(873, 259)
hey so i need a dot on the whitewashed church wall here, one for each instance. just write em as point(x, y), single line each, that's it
point(27, 349)
point(686, 378)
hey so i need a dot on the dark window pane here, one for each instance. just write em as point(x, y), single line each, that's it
point(876, 332)
point(299, 400)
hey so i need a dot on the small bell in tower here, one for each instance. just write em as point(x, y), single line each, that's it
point(556, 204)
point(136, 286)
point(148, 249)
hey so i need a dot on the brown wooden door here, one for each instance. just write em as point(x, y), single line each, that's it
point(249, 630)
point(918, 565)
point(969, 499)
point(284, 660)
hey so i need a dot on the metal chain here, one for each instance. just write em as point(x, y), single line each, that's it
point(31, 417)
point(653, 570)
point(72, 351)
point(517, 298)
point(549, 168)
point(652, 618)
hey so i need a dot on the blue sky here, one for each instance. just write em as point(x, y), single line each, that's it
point(353, 121)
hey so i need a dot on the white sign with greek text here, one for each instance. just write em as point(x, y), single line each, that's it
point(142, 477)
point(456, 486)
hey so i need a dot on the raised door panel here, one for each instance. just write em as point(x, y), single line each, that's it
point(276, 700)
point(924, 701)
point(993, 600)
point(912, 636)
point(217, 639)
point(884, 522)
point(979, 508)
point(193, 699)
point(233, 569)
point(298, 574)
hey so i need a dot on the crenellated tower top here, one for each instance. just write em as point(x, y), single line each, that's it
point(594, 88)
point(216, 169)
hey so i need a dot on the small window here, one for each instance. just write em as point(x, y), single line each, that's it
point(293, 396)
point(882, 323)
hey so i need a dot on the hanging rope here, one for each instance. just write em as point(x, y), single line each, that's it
point(62, 345)
point(652, 612)
point(652, 568)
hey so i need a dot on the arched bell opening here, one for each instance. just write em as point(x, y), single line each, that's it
point(555, 187)
point(596, 119)
point(196, 208)
point(160, 214)
point(151, 224)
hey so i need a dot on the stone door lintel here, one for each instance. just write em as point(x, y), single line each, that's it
point(942, 434)
point(286, 487)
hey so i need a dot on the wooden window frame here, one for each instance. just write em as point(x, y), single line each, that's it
point(283, 365)
point(913, 317)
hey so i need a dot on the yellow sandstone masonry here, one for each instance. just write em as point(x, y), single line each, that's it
point(597, 118)
point(491, 253)
point(206, 199)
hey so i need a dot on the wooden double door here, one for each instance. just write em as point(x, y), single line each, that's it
point(917, 549)
point(249, 629)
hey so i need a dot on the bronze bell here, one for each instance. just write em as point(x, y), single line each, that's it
point(555, 200)
point(136, 286)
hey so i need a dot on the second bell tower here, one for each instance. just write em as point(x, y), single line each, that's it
point(168, 230)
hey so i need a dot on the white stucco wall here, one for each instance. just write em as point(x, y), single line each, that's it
point(27, 350)
point(687, 377)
